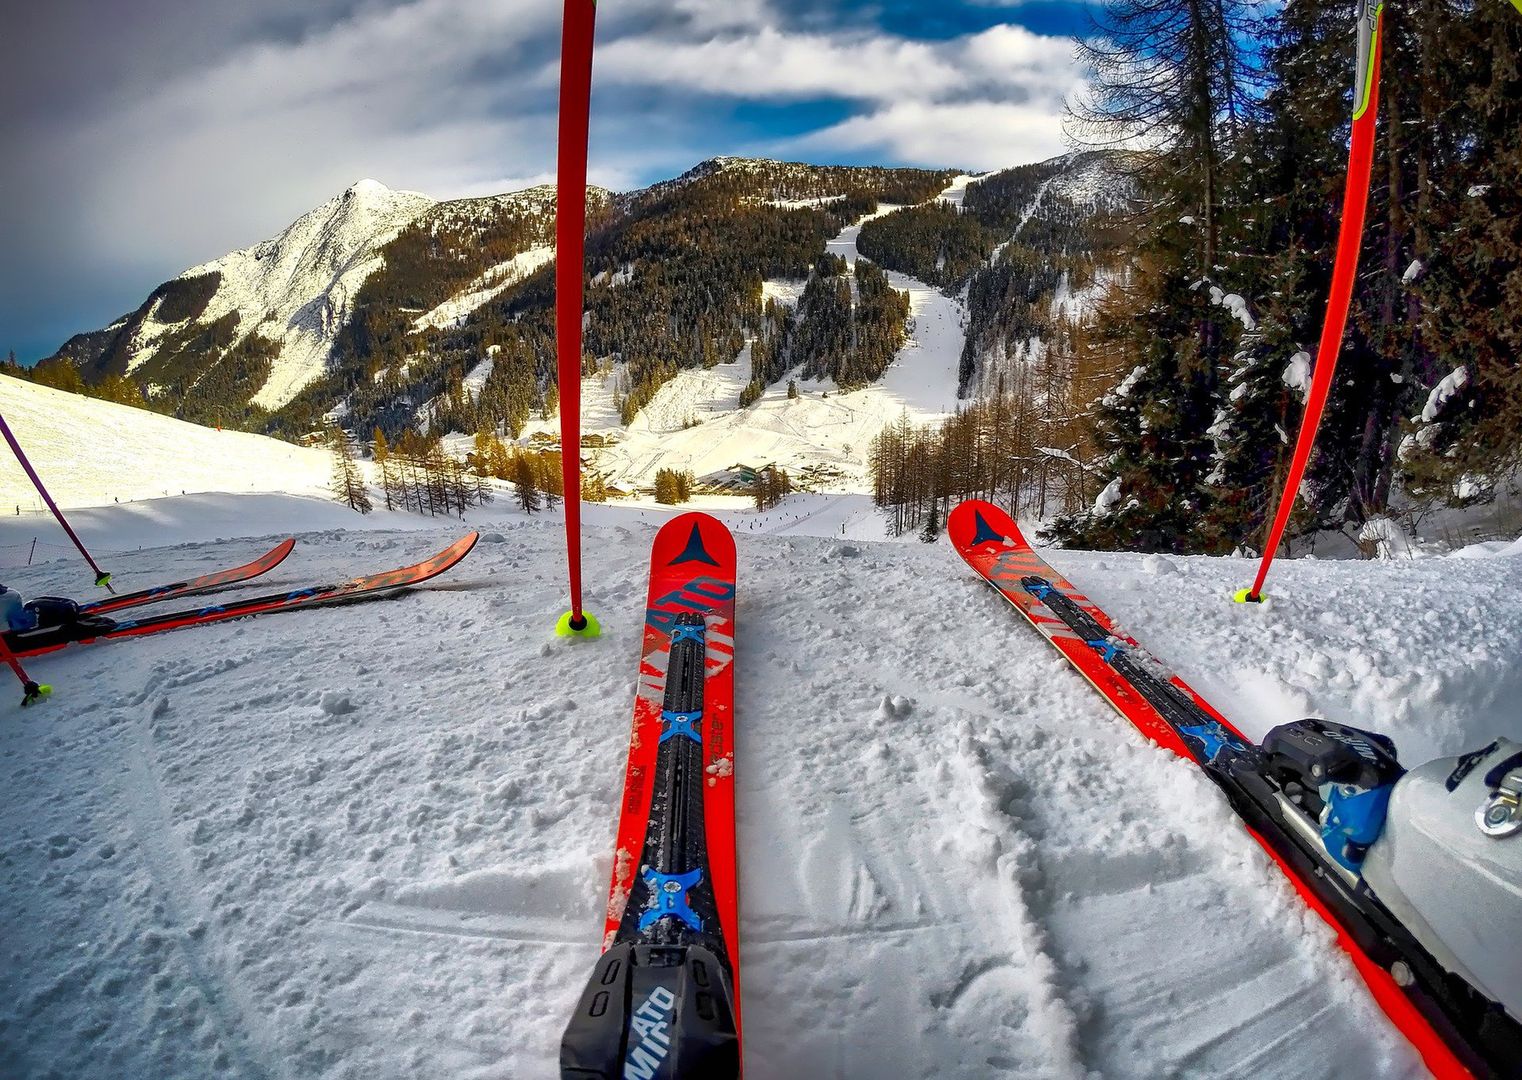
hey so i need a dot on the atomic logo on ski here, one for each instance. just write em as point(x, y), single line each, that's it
point(695, 551)
point(985, 533)
point(652, 1023)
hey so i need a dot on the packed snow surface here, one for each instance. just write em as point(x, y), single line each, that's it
point(374, 841)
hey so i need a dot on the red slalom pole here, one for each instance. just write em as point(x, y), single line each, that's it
point(1355, 201)
point(101, 576)
point(570, 259)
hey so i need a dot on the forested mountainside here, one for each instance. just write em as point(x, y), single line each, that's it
point(1024, 242)
point(394, 311)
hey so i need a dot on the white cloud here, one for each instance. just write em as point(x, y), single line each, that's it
point(228, 154)
point(984, 100)
point(782, 65)
point(977, 135)
point(775, 64)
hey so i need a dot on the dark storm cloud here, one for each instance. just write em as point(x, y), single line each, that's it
point(139, 139)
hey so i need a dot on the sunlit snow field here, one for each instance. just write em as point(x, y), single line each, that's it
point(374, 841)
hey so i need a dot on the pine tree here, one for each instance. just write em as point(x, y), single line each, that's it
point(348, 481)
point(770, 487)
point(1462, 448)
point(673, 486)
point(1179, 77)
point(932, 529)
point(523, 485)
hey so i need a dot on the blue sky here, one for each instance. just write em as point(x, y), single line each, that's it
point(141, 139)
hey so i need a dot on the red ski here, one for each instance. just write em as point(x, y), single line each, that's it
point(204, 584)
point(90, 628)
point(1438, 1018)
point(664, 998)
point(992, 544)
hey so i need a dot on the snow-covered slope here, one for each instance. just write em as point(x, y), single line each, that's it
point(354, 842)
point(823, 436)
point(295, 289)
point(93, 453)
point(375, 841)
point(487, 287)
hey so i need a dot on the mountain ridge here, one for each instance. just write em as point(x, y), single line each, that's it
point(378, 305)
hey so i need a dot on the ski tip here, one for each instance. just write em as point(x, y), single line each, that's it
point(589, 626)
point(1247, 596)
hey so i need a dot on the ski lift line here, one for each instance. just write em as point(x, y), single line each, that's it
point(1355, 202)
point(570, 256)
point(101, 577)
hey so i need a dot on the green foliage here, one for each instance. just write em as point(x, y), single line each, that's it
point(673, 486)
point(933, 243)
point(832, 335)
point(673, 282)
point(771, 486)
point(1471, 295)
point(186, 298)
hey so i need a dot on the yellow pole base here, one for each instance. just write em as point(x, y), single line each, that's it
point(1245, 596)
point(590, 628)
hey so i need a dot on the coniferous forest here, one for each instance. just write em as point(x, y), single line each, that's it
point(1170, 408)
point(1202, 344)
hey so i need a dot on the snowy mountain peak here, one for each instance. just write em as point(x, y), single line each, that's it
point(295, 289)
point(367, 186)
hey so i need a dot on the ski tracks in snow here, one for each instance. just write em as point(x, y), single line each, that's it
point(1001, 832)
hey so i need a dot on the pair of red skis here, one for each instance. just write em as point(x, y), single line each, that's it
point(99, 621)
point(663, 1001)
